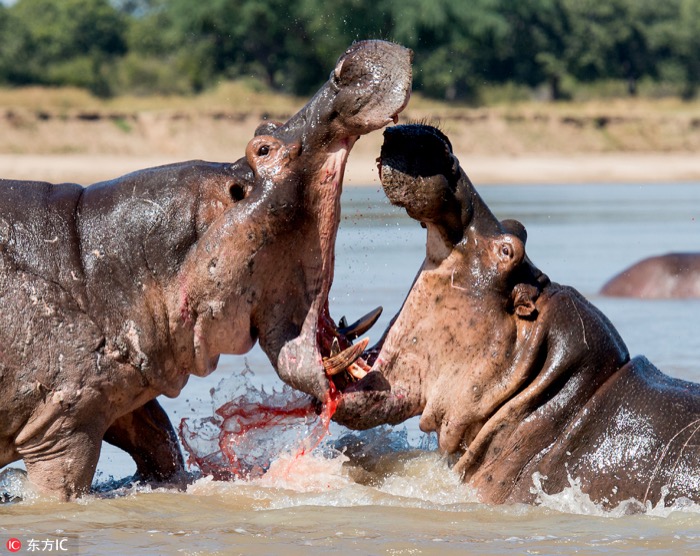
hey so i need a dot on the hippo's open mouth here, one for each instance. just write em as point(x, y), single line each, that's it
point(346, 363)
point(368, 89)
point(355, 374)
point(372, 390)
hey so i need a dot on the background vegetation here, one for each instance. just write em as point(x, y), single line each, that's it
point(470, 51)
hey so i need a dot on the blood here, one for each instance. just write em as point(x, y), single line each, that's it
point(330, 404)
point(249, 431)
point(327, 330)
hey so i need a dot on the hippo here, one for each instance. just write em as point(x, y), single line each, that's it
point(521, 378)
point(673, 275)
point(116, 293)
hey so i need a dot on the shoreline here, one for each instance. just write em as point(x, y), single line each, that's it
point(361, 170)
point(631, 142)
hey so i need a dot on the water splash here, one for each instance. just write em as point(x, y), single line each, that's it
point(15, 486)
point(278, 442)
point(251, 428)
point(573, 500)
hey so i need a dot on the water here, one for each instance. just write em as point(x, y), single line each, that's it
point(388, 494)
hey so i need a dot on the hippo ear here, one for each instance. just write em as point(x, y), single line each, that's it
point(266, 128)
point(523, 299)
point(516, 228)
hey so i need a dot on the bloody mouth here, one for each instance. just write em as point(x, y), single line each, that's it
point(346, 364)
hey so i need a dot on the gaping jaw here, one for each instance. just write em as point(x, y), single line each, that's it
point(416, 167)
point(322, 359)
point(420, 173)
point(367, 90)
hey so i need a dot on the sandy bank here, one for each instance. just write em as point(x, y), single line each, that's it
point(533, 145)
point(362, 171)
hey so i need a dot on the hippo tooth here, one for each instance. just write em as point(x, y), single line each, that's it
point(360, 362)
point(356, 372)
point(338, 363)
point(360, 326)
point(335, 347)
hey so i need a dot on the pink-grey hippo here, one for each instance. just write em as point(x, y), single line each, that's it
point(116, 293)
point(674, 275)
point(516, 374)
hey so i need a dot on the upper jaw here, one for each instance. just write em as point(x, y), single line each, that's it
point(381, 395)
point(372, 65)
point(368, 88)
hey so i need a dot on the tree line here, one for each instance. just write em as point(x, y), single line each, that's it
point(462, 47)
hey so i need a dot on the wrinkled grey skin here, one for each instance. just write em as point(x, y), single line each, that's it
point(114, 294)
point(674, 275)
point(516, 374)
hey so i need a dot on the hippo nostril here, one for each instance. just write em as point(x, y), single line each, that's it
point(237, 192)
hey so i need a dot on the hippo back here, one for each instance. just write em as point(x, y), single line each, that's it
point(38, 232)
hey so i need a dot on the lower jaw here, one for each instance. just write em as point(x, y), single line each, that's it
point(368, 407)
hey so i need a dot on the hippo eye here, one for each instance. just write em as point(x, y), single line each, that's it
point(264, 150)
point(505, 249)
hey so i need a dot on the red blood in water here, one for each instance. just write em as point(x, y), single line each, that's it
point(330, 404)
point(253, 429)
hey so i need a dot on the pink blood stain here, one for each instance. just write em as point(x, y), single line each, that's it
point(250, 431)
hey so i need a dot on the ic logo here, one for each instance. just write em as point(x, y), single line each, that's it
point(14, 545)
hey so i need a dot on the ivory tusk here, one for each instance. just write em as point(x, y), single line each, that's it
point(338, 363)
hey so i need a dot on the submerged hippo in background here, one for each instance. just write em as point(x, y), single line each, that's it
point(114, 294)
point(674, 275)
point(516, 374)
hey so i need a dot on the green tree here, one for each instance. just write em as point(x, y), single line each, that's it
point(159, 57)
point(328, 28)
point(535, 50)
point(14, 59)
point(183, 46)
point(612, 39)
point(70, 42)
point(458, 45)
point(239, 37)
point(688, 46)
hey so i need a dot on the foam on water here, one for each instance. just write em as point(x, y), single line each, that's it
point(573, 500)
point(273, 451)
point(276, 443)
point(275, 448)
point(15, 486)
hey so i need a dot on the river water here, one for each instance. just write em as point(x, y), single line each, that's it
point(389, 492)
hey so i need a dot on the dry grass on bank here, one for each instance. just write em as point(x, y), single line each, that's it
point(44, 129)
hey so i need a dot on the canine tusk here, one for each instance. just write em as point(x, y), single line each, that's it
point(338, 363)
point(360, 326)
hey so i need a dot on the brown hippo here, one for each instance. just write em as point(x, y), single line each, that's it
point(516, 374)
point(674, 275)
point(114, 294)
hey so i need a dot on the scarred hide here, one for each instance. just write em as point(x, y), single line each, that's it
point(516, 374)
point(114, 294)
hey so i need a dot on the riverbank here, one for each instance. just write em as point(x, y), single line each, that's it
point(362, 171)
point(66, 135)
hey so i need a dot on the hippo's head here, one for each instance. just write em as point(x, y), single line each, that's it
point(447, 352)
point(263, 268)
